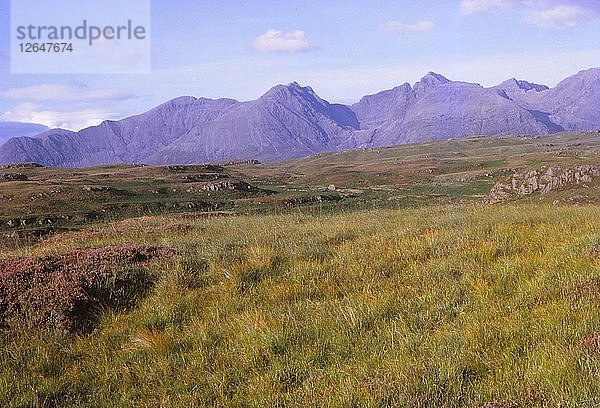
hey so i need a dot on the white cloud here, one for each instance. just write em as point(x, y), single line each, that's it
point(468, 7)
point(554, 14)
point(65, 94)
point(559, 17)
point(278, 41)
point(68, 106)
point(67, 119)
point(396, 27)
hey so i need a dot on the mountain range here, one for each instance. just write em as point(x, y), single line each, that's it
point(291, 121)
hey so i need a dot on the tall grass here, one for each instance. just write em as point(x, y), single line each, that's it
point(432, 307)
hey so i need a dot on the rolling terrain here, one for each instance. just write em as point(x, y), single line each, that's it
point(41, 200)
point(387, 276)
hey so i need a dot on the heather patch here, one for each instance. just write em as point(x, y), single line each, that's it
point(67, 291)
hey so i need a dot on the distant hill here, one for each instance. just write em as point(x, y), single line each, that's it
point(291, 121)
point(17, 129)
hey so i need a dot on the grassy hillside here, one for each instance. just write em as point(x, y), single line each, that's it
point(400, 287)
point(445, 306)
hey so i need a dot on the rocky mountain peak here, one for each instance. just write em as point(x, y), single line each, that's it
point(515, 89)
point(582, 79)
point(515, 84)
point(429, 82)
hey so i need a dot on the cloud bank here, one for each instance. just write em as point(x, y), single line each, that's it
point(559, 17)
point(65, 93)
point(279, 41)
point(550, 14)
point(395, 27)
point(468, 7)
point(73, 107)
point(65, 119)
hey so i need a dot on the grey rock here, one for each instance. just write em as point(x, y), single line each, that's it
point(544, 181)
point(229, 185)
point(13, 177)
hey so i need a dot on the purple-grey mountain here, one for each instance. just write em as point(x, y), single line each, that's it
point(16, 129)
point(293, 121)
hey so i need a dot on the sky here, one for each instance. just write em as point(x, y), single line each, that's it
point(342, 49)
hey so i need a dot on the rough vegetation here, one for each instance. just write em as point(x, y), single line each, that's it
point(398, 286)
point(67, 291)
point(431, 307)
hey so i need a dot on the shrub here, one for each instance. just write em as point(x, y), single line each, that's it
point(65, 291)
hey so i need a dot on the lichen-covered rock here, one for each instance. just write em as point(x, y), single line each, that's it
point(543, 181)
point(229, 185)
point(13, 177)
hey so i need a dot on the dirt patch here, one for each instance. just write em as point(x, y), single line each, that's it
point(66, 291)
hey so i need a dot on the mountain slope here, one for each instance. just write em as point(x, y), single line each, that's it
point(574, 104)
point(291, 121)
point(287, 122)
point(436, 108)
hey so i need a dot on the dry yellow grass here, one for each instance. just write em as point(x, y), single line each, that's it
point(432, 307)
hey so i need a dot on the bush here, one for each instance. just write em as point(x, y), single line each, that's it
point(66, 291)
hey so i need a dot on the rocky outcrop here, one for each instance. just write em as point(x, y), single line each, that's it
point(544, 181)
point(191, 178)
point(97, 189)
point(13, 177)
point(212, 168)
point(229, 185)
point(22, 166)
point(233, 163)
point(310, 199)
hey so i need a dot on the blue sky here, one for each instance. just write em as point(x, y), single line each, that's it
point(343, 49)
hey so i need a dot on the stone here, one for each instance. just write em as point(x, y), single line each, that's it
point(524, 183)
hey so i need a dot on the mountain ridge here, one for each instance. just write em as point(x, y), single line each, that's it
point(291, 121)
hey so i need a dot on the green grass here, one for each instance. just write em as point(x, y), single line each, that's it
point(444, 306)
